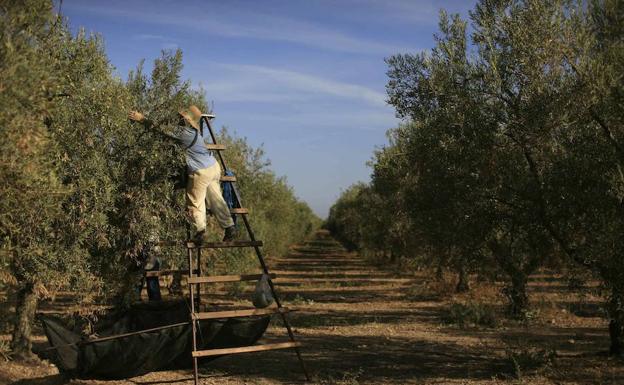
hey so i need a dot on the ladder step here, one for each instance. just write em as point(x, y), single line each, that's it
point(227, 278)
point(215, 147)
point(161, 273)
point(245, 349)
point(225, 178)
point(223, 245)
point(237, 313)
point(239, 210)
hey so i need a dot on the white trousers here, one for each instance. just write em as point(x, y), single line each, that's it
point(204, 185)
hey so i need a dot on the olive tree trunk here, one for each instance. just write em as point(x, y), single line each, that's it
point(517, 295)
point(515, 288)
point(616, 322)
point(463, 284)
point(25, 308)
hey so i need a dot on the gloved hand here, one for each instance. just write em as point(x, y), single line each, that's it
point(136, 116)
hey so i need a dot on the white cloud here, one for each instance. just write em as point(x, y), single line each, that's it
point(247, 25)
point(259, 83)
point(147, 36)
point(165, 42)
point(351, 120)
point(406, 12)
point(421, 12)
point(171, 46)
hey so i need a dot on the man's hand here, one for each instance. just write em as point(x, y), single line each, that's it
point(136, 116)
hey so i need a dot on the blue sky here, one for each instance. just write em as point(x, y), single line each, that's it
point(305, 79)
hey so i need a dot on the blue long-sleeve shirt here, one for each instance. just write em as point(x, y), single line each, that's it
point(197, 155)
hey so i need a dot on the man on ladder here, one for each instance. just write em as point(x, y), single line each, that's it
point(204, 173)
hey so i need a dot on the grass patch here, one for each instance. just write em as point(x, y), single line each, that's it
point(471, 314)
point(5, 351)
point(299, 300)
point(351, 283)
point(346, 378)
point(429, 291)
point(312, 321)
point(529, 360)
point(236, 289)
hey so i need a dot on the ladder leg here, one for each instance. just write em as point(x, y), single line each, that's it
point(198, 286)
point(259, 254)
point(292, 338)
point(265, 269)
point(193, 326)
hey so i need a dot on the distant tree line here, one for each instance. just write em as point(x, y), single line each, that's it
point(511, 154)
point(83, 190)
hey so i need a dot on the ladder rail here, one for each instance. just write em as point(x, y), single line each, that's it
point(193, 322)
point(199, 273)
point(245, 349)
point(282, 311)
point(258, 253)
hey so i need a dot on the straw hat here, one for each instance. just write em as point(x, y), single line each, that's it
point(192, 116)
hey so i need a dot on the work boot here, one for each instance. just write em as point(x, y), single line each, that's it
point(198, 238)
point(230, 234)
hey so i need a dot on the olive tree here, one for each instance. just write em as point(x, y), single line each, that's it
point(57, 192)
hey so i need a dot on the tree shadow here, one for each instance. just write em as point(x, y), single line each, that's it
point(323, 275)
point(375, 358)
point(316, 319)
point(53, 379)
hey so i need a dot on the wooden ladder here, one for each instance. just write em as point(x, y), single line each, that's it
point(195, 279)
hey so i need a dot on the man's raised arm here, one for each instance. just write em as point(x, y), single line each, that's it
point(149, 124)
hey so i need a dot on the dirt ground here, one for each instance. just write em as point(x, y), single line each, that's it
point(370, 325)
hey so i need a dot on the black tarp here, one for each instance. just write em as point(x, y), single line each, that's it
point(141, 353)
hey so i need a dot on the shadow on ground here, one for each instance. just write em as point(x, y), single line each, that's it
point(359, 324)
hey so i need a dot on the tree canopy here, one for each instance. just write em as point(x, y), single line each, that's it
point(85, 190)
point(510, 154)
